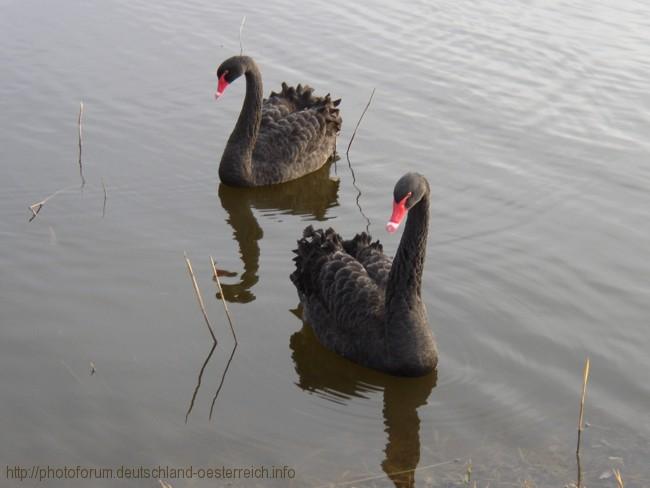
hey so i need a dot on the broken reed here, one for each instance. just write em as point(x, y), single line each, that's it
point(35, 208)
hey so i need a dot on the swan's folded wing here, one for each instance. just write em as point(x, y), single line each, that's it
point(292, 144)
point(288, 101)
point(347, 291)
point(274, 109)
point(371, 256)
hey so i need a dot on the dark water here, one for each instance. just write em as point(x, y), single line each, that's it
point(531, 121)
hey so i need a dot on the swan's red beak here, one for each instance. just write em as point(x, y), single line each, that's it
point(221, 87)
point(399, 211)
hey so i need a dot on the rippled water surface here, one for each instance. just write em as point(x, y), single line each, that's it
point(531, 121)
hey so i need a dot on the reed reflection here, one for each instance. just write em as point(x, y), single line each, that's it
point(311, 195)
point(322, 372)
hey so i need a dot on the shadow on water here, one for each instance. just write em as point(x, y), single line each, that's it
point(328, 375)
point(311, 195)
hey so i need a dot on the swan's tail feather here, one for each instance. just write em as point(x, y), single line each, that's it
point(302, 97)
point(313, 249)
point(359, 243)
point(307, 93)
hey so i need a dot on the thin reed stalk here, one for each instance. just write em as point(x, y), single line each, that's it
point(199, 298)
point(347, 156)
point(35, 208)
point(223, 299)
point(81, 169)
point(105, 198)
point(585, 379)
point(618, 477)
point(241, 28)
point(354, 133)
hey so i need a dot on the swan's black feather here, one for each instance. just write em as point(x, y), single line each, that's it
point(297, 135)
point(371, 256)
point(339, 295)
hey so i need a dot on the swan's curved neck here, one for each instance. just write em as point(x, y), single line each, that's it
point(405, 279)
point(236, 162)
point(409, 342)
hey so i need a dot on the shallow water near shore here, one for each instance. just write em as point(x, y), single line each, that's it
point(531, 122)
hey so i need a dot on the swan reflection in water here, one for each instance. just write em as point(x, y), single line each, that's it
point(311, 195)
point(324, 372)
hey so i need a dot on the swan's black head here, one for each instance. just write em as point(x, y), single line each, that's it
point(229, 71)
point(408, 191)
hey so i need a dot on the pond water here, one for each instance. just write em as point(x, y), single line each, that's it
point(531, 121)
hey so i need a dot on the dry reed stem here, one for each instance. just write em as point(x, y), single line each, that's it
point(468, 473)
point(347, 156)
point(36, 207)
point(200, 298)
point(223, 299)
point(619, 478)
point(585, 379)
point(241, 28)
point(81, 170)
point(354, 133)
point(105, 197)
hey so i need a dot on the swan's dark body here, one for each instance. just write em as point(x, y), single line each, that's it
point(363, 305)
point(284, 137)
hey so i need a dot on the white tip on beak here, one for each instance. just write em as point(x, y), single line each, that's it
point(391, 227)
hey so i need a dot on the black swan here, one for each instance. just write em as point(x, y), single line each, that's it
point(278, 139)
point(359, 303)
